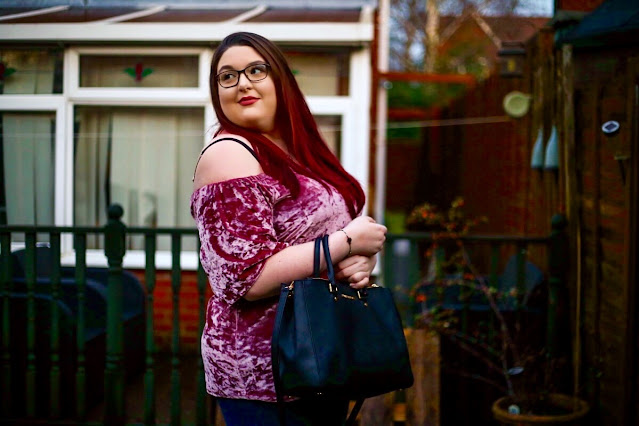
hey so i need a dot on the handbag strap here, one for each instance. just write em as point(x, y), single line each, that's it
point(316, 258)
point(331, 278)
point(275, 350)
point(329, 262)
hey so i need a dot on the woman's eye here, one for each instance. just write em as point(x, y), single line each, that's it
point(227, 76)
point(257, 70)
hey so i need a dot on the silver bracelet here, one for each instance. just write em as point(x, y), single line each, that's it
point(349, 240)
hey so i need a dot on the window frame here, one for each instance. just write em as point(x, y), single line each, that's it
point(142, 94)
point(353, 110)
point(55, 104)
point(134, 97)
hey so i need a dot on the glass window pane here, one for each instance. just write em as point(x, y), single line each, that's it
point(27, 150)
point(330, 127)
point(30, 71)
point(320, 74)
point(138, 71)
point(140, 158)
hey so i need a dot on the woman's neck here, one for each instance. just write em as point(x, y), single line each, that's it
point(277, 141)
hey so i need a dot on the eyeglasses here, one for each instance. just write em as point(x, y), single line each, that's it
point(230, 78)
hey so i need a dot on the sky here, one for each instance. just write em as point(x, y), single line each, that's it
point(538, 8)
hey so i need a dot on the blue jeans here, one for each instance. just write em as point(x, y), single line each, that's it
point(304, 412)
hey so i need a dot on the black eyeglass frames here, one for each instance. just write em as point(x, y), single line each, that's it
point(254, 72)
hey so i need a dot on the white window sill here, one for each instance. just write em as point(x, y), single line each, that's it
point(133, 259)
point(136, 259)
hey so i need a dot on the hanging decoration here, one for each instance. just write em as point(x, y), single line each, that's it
point(138, 72)
point(537, 160)
point(551, 160)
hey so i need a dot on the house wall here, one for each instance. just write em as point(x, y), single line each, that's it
point(489, 164)
point(578, 5)
point(189, 310)
point(469, 46)
point(605, 88)
point(589, 188)
point(487, 159)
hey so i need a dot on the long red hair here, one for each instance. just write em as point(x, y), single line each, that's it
point(294, 121)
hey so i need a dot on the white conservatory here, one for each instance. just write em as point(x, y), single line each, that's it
point(108, 102)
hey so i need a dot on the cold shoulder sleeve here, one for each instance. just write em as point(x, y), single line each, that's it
point(235, 224)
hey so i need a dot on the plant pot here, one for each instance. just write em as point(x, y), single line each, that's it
point(572, 411)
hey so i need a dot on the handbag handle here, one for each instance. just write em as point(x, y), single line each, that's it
point(284, 296)
point(316, 258)
point(329, 261)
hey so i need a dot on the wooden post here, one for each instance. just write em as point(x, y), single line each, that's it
point(54, 372)
point(202, 397)
point(80, 243)
point(557, 267)
point(149, 375)
point(423, 398)
point(114, 248)
point(31, 276)
point(6, 398)
point(176, 276)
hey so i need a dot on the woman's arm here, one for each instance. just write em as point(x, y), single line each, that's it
point(229, 160)
point(296, 262)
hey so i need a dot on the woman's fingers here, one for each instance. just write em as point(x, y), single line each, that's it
point(363, 283)
point(353, 264)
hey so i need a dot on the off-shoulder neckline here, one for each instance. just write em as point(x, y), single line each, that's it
point(250, 178)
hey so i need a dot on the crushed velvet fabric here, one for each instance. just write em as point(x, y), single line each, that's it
point(242, 222)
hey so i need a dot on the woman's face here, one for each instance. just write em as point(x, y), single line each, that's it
point(250, 104)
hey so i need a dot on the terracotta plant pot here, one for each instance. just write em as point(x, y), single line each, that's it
point(574, 409)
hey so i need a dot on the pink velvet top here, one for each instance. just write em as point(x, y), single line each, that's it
point(242, 222)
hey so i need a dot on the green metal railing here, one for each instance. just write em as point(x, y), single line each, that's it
point(411, 271)
point(114, 233)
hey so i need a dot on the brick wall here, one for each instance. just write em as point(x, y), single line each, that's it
point(188, 310)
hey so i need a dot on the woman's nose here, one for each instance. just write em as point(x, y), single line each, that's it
point(243, 81)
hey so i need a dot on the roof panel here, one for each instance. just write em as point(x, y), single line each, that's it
point(193, 4)
point(71, 15)
point(191, 15)
point(4, 11)
point(614, 22)
point(177, 15)
point(308, 15)
point(515, 28)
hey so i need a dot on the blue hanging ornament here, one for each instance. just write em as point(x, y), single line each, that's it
point(551, 161)
point(537, 160)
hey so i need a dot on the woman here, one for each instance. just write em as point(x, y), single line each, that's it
point(264, 189)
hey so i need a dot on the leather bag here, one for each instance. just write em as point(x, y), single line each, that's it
point(330, 340)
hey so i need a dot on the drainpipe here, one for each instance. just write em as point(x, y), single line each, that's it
point(382, 109)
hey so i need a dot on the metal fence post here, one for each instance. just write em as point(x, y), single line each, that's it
point(114, 248)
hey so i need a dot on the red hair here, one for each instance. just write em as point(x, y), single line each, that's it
point(294, 121)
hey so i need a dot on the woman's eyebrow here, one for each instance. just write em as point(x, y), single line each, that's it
point(228, 67)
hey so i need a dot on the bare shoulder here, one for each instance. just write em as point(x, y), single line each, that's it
point(224, 160)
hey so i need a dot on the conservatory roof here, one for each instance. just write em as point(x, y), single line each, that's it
point(341, 22)
point(614, 22)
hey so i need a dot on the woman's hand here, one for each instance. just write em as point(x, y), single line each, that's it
point(356, 270)
point(367, 236)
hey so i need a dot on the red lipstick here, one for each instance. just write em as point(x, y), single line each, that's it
point(248, 100)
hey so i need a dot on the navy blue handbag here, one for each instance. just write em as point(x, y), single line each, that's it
point(330, 340)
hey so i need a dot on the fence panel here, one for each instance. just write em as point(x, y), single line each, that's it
point(94, 302)
point(502, 263)
point(70, 372)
